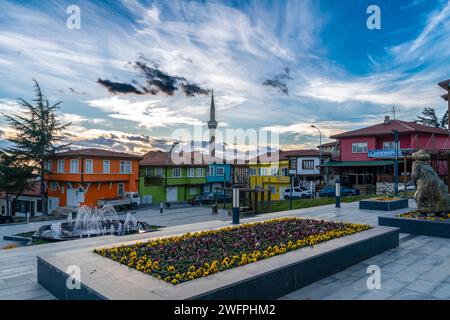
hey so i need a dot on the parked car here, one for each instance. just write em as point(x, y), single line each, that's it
point(297, 193)
point(410, 186)
point(331, 192)
point(129, 200)
point(207, 198)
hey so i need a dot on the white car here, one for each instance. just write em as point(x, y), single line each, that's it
point(410, 186)
point(297, 193)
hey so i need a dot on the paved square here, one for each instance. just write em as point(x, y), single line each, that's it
point(417, 269)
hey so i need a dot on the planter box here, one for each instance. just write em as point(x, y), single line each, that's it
point(383, 205)
point(103, 278)
point(418, 226)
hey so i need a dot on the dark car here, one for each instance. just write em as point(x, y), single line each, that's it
point(331, 192)
point(221, 198)
point(207, 198)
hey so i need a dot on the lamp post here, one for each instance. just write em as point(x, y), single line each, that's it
point(396, 163)
point(235, 205)
point(338, 192)
point(320, 146)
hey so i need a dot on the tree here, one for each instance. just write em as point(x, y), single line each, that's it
point(431, 119)
point(38, 136)
point(15, 177)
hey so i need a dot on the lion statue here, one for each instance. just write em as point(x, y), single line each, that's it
point(431, 195)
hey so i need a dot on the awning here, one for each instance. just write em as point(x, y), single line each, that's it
point(358, 163)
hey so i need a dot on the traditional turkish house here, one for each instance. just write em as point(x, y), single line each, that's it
point(223, 175)
point(161, 179)
point(307, 166)
point(366, 156)
point(26, 204)
point(83, 177)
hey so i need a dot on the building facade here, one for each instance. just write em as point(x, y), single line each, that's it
point(160, 179)
point(269, 173)
point(83, 177)
point(366, 155)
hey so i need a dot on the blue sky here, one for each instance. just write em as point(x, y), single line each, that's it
point(279, 65)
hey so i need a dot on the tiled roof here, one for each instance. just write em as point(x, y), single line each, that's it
point(96, 153)
point(445, 84)
point(35, 190)
point(303, 153)
point(386, 129)
point(161, 158)
point(328, 144)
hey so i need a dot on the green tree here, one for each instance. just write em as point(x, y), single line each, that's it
point(38, 136)
point(15, 177)
point(429, 118)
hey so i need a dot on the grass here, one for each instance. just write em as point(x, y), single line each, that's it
point(283, 205)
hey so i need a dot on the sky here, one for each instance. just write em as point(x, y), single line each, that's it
point(136, 71)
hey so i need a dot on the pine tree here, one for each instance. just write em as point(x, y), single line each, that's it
point(431, 119)
point(38, 136)
point(15, 177)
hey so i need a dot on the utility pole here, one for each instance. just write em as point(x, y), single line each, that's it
point(396, 163)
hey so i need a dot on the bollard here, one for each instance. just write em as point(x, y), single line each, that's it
point(235, 205)
point(161, 207)
point(338, 193)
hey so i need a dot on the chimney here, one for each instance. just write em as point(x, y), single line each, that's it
point(387, 120)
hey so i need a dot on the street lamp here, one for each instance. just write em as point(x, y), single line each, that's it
point(320, 151)
point(396, 163)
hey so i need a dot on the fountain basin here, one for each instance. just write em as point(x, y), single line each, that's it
point(92, 222)
point(45, 232)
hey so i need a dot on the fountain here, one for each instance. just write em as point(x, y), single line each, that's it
point(92, 222)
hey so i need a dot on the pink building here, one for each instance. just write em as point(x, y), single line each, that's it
point(364, 157)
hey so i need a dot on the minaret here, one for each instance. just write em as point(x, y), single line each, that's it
point(212, 125)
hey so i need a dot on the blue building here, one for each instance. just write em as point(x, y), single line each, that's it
point(218, 176)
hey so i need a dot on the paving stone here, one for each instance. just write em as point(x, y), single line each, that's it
point(423, 286)
point(407, 294)
point(442, 291)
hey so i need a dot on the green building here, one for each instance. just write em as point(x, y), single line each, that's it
point(162, 180)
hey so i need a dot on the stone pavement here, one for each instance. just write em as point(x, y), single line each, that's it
point(418, 269)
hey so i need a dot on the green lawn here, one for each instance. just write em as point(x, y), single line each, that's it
point(283, 205)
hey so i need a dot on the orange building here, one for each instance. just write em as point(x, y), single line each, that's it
point(83, 177)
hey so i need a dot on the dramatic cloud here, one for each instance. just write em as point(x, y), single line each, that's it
point(117, 87)
point(279, 81)
point(156, 82)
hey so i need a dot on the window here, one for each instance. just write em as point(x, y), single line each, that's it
point(199, 172)
point(120, 189)
point(308, 164)
point(389, 145)
point(60, 168)
point(148, 172)
point(293, 164)
point(273, 171)
point(48, 165)
point(211, 171)
point(53, 186)
point(252, 172)
point(220, 171)
point(106, 166)
point(74, 166)
point(285, 171)
point(360, 147)
point(191, 172)
point(263, 171)
point(125, 166)
point(176, 172)
point(88, 166)
point(193, 191)
point(273, 190)
point(159, 172)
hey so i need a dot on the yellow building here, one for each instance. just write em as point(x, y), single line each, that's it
point(269, 173)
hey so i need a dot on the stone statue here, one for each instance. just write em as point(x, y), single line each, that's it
point(431, 195)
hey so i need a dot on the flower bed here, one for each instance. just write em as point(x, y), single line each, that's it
point(442, 216)
point(385, 199)
point(195, 255)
